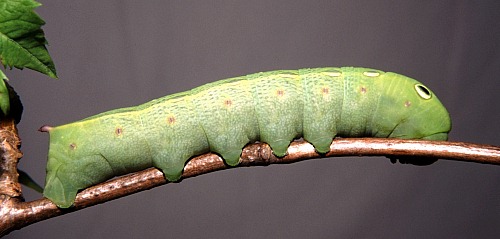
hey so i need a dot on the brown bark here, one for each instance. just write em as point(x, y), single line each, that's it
point(15, 214)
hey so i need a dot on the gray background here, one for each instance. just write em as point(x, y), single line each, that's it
point(112, 54)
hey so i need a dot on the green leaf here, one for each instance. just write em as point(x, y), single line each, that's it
point(4, 95)
point(3, 76)
point(22, 41)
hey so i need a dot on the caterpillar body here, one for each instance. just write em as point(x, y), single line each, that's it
point(275, 107)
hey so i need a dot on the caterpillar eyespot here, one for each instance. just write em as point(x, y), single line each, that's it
point(275, 107)
point(423, 92)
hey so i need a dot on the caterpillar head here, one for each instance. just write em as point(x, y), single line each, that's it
point(428, 119)
point(410, 110)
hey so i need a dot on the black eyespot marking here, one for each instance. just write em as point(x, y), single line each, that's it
point(423, 92)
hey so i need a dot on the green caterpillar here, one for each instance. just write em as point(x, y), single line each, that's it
point(275, 107)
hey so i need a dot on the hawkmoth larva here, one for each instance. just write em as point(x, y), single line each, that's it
point(273, 107)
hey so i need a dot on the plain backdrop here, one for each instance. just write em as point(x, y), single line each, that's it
point(112, 54)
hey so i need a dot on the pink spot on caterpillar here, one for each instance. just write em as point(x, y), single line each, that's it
point(407, 104)
point(170, 120)
point(118, 131)
point(280, 93)
point(72, 146)
point(228, 103)
point(363, 90)
point(325, 91)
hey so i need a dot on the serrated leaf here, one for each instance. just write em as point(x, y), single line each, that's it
point(22, 41)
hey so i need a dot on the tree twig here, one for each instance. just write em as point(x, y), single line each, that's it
point(15, 214)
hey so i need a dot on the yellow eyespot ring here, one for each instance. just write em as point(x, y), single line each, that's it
point(423, 91)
